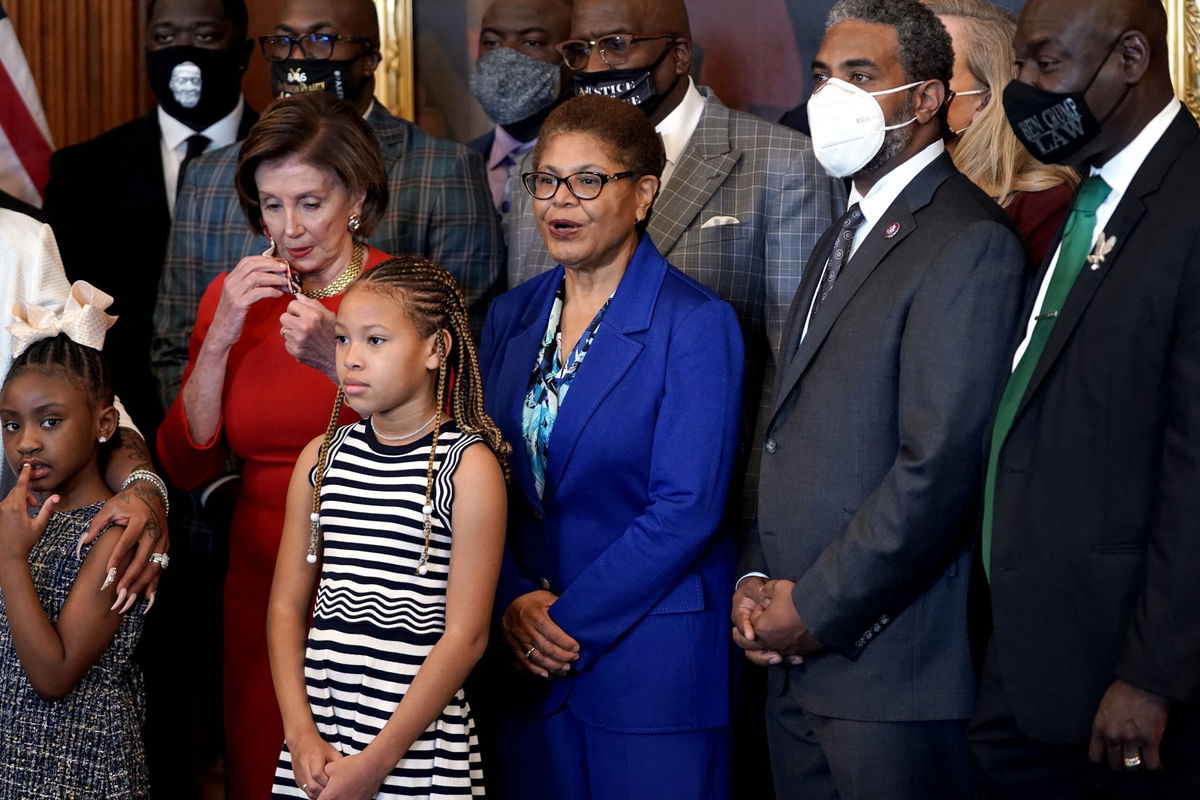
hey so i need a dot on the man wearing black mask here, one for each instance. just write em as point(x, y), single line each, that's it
point(121, 185)
point(1089, 533)
point(518, 80)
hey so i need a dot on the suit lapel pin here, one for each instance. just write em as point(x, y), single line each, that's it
point(892, 230)
point(1104, 246)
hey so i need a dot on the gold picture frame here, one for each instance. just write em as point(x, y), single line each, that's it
point(394, 83)
point(1183, 36)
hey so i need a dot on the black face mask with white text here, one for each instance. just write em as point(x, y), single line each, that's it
point(296, 75)
point(635, 86)
point(1055, 126)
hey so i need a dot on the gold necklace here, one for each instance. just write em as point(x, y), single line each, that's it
point(347, 276)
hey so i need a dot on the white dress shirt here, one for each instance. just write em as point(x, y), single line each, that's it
point(173, 143)
point(677, 128)
point(1118, 173)
point(878, 200)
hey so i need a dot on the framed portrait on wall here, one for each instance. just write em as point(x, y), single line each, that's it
point(1183, 35)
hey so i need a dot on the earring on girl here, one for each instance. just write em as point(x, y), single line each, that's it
point(354, 223)
point(102, 439)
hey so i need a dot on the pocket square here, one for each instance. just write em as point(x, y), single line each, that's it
point(713, 222)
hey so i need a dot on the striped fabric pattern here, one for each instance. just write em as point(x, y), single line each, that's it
point(25, 144)
point(376, 619)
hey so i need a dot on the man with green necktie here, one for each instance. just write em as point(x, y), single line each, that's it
point(1091, 512)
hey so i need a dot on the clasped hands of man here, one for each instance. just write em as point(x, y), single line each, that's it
point(766, 624)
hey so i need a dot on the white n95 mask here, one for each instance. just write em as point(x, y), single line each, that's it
point(847, 125)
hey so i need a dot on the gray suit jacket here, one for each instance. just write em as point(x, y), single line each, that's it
point(874, 452)
point(736, 165)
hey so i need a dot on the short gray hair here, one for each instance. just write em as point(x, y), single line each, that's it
point(926, 52)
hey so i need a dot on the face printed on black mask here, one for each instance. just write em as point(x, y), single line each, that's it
point(196, 85)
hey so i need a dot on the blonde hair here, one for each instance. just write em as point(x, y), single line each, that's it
point(988, 152)
point(435, 303)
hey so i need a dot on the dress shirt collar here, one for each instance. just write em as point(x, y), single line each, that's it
point(1119, 170)
point(888, 188)
point(677, 128)
point(504, 144)
point(222, 132)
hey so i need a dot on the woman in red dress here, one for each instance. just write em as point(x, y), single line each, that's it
point(260, 376)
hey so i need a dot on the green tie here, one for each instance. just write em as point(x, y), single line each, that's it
point(1076, 244)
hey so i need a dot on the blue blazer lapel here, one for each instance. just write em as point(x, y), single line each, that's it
point(520, 353)
point(612, 353)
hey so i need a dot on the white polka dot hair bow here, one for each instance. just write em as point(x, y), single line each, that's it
point(82, 319)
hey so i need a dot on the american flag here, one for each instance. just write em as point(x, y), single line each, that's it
point(25, 144)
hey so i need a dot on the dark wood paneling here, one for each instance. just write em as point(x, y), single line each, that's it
point(85, 56)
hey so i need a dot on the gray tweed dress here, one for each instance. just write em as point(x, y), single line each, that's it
point(89, 743)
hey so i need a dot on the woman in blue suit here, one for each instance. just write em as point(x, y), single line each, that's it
point(618, 380)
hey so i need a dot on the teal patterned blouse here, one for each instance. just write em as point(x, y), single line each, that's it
point(549, 384)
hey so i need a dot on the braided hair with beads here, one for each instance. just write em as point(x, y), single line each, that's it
point(435, 303)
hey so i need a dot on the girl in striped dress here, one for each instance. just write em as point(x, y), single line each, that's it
point(400, 517)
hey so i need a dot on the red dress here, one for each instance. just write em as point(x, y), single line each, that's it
point(271, 407)
point(1039, 216)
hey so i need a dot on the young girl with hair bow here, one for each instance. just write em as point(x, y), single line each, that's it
point(72, 698)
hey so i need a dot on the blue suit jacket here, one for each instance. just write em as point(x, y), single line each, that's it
point(628, 531)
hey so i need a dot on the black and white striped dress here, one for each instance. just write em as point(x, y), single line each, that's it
point(376, 619)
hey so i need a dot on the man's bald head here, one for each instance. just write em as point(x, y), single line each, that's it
point(655, 19)
point(351, 17)
point(649, 16)
point(348, 19)
point(1114, 51)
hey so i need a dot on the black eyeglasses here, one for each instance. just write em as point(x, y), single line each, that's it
point(313, 46)
point(614, 48)
point(584, 185)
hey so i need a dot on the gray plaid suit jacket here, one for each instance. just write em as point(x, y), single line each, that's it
point(439, 206)
point(765, 176)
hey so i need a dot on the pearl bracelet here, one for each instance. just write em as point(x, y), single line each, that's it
point(152, 479)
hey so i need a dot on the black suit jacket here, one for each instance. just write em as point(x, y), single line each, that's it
point(108, 206)
point(1096, 548)
point(872, 460)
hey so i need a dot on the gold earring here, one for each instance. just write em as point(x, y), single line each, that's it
point(354, 223)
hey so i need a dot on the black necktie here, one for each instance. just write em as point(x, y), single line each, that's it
point(195, 146)
point(839, 255)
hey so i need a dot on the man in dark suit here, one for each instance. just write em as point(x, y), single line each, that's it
point(518, 80)
point(855, 577)
point(110, 199)
point(1090, 524)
